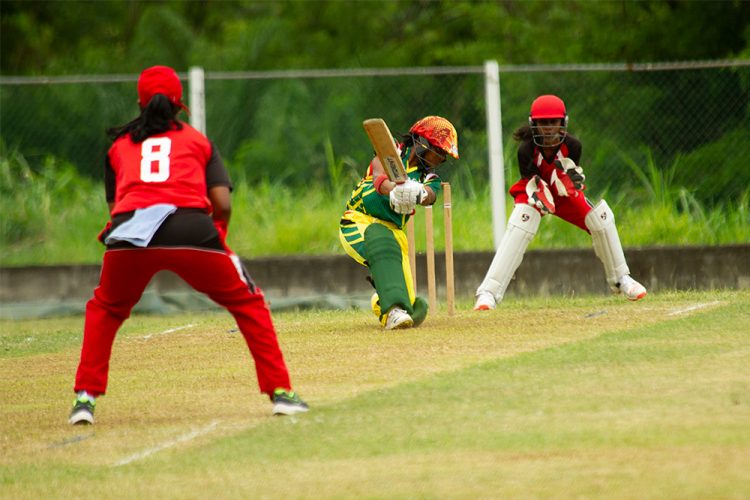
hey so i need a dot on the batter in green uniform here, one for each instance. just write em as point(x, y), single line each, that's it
point(371, 229)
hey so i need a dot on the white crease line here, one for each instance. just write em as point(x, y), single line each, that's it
point(168, 444)
point(693, 308)
point(171, 330)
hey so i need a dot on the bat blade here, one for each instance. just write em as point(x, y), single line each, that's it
point(385, 149)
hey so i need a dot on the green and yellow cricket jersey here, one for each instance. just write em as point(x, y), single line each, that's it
point(366, 200)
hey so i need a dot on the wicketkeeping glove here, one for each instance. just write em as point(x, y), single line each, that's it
point(406, 196)
point(572, 171)
point(562, 184)
point(540, 196)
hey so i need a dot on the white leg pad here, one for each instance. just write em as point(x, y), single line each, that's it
point(523, 224)
point(601, 222)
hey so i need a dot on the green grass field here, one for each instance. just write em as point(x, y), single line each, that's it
point(551, 398)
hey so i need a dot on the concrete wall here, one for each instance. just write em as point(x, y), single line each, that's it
point(543, 272)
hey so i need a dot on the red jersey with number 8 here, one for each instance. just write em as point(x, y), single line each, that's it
point(165, 168)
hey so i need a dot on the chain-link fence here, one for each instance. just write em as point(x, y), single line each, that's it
point(688, 123)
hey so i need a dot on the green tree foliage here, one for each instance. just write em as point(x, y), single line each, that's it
point(74, 37)
point(280, 130)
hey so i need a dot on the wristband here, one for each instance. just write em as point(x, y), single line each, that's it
point(379, 182)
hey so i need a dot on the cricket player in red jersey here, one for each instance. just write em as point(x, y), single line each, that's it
point(552, 183)
point(169, 199)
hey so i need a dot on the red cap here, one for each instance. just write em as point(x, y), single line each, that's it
point(160, 80)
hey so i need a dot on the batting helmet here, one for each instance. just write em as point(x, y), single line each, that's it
point(439, 132)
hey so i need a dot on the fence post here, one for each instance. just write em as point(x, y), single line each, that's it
point(495, 148)
point(197, 99)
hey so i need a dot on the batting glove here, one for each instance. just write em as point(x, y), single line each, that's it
point(404, 197)
point(399, 204)
point(540, 196)
point(401, 207)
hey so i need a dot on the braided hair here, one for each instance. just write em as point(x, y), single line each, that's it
point(158, 116)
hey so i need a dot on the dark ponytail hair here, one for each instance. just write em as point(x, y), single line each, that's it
point(158, 116)
point(523, 133)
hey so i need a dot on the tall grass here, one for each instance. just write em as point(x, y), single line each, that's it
point(673, 211)
point(52, 216)
point(49, 216)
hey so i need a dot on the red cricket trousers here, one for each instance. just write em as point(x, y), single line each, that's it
point(572, 209)
point(124, 276)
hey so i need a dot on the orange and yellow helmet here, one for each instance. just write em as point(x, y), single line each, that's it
point(439, 132)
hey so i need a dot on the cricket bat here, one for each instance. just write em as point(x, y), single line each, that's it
point(385, 149)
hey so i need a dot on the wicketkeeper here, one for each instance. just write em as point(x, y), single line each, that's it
point(371, 229)
point(552, 182)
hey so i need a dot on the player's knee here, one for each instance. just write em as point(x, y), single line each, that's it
point(600, 217)
point(525, 218)
point(116, 309)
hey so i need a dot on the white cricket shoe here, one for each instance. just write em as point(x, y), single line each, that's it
point(398, 318)
point(631, 288)
point(485, 302)
point(287, 402)
point(83, 409)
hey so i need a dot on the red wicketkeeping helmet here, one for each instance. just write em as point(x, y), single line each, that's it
point(439, 132)
point(548, 107)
